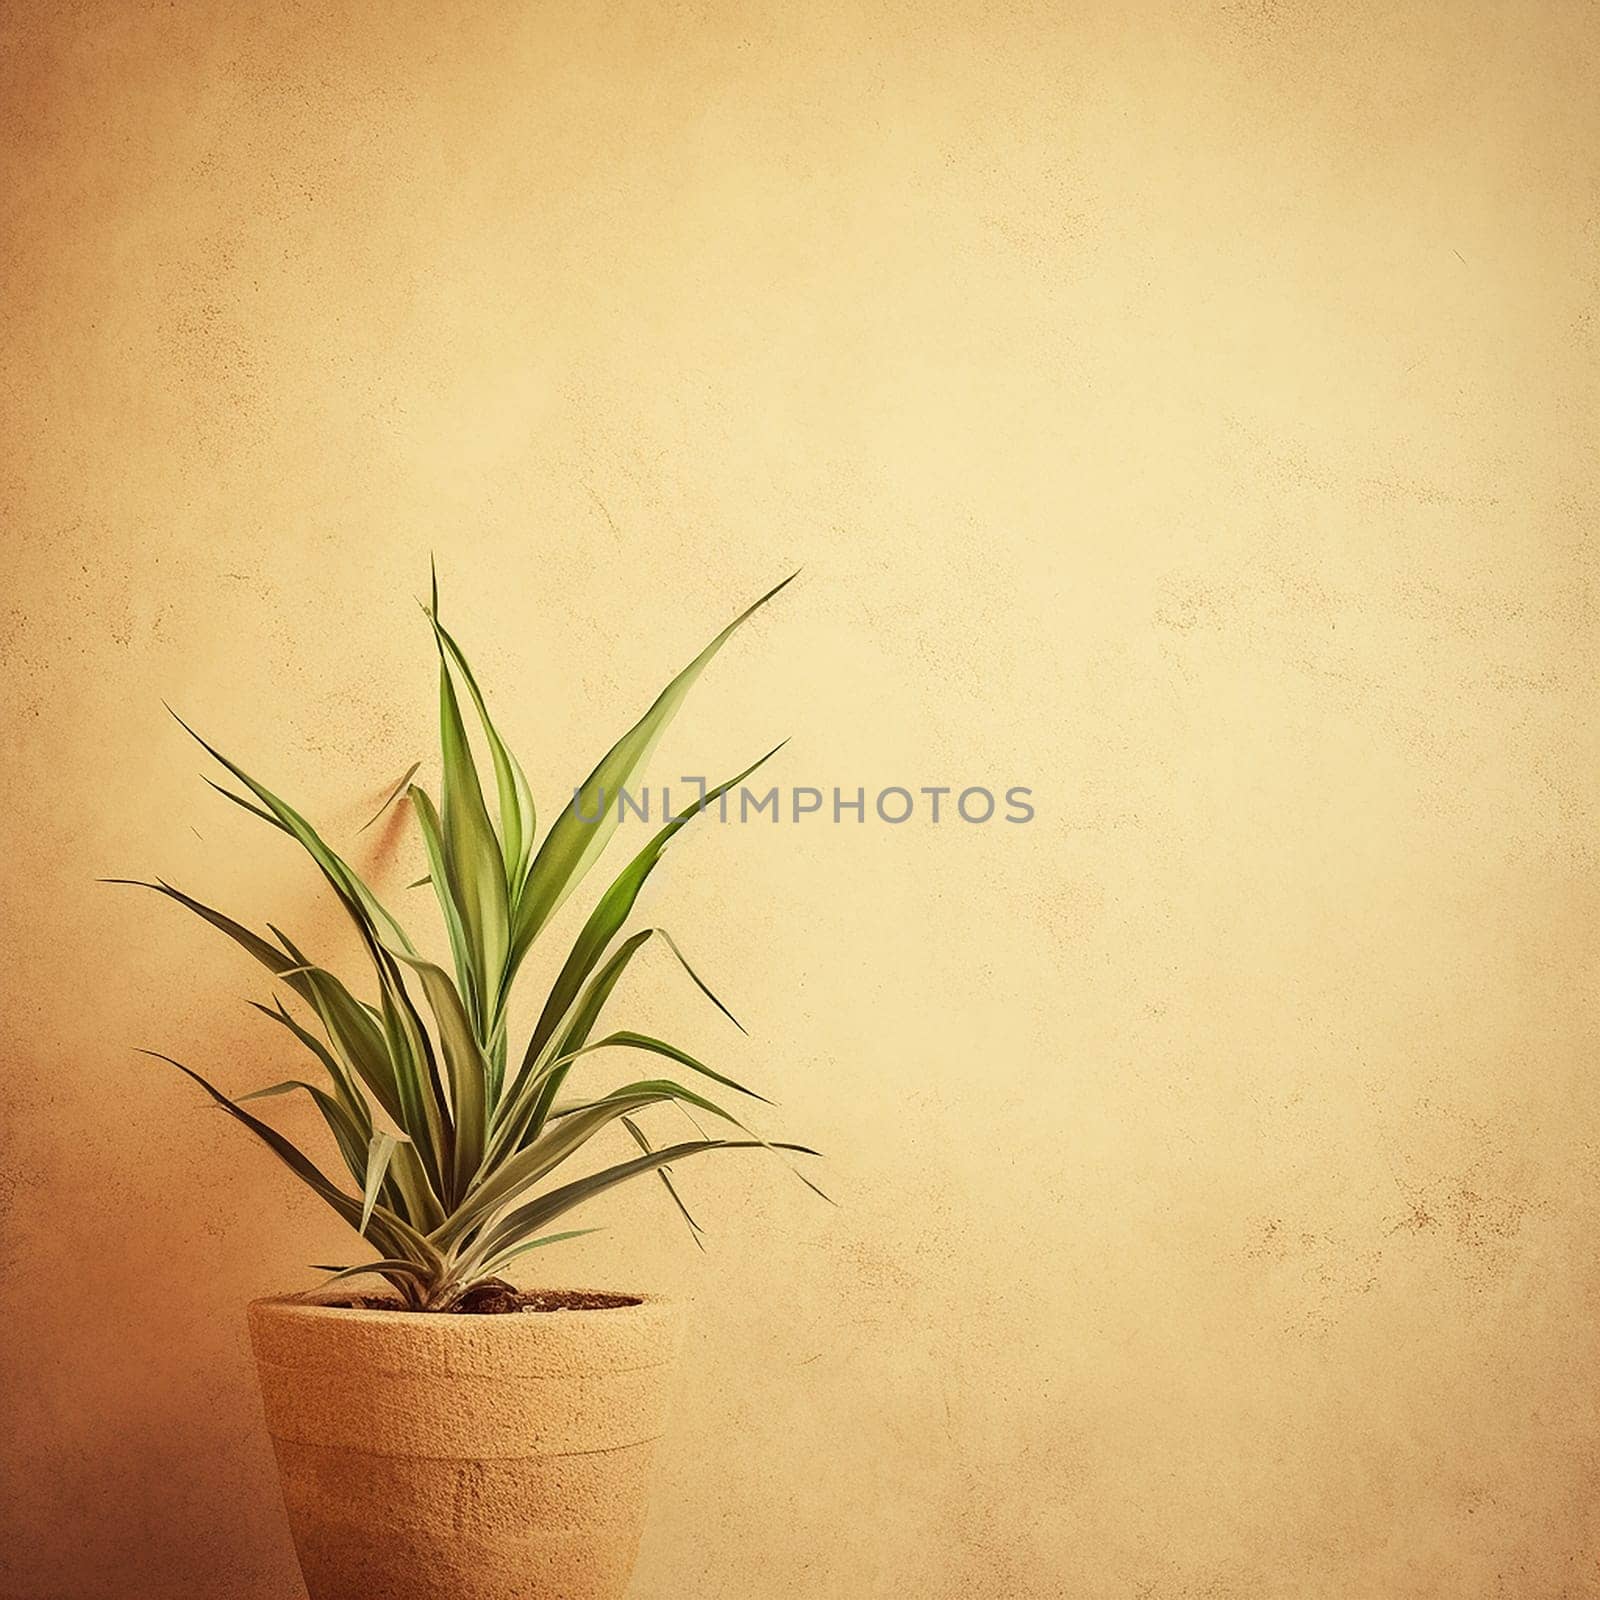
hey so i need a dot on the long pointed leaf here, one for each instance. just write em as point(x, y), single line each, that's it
point(267, 954)
point(392, 1233)
point(408, 1086)
point(613, 909)
point(350, 1099)
point(348, 884)
point(697, 980)
point(420, 1205)
point(637, 1134)
point(353, 1028)
point(422, 1114)
point(303, 1167)
point(346, 1132)
point(246, 805)
point(572, 845)
point(537, 1160)
point(473, 864)
point(492, 1269)
point(378, 1153)
point(381, 1268)
point(517, 1110)
point(429, 826)
point(533, 1216)
point(467, 1069)
point(518, 820)
point(396, 1062)
point(626, 1039)
point(348, 1024)
point(393, 795)
point(578, 1006)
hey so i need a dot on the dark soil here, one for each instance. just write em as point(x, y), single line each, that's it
point(491, 1299)
point(497, 1298)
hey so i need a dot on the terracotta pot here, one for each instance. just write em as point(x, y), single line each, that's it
point(429, 1457)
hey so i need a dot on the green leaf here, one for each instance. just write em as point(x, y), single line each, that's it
point(363, 1053)
point(515, 1114)
point(467, 1070)
point(612, 910)
point(280, 1014)
point(474, 869)
point(408, 1268)
point(658, 1047)
point(406, 1083)
point(239, 800)
point(394, 794)
point(348, 1023)
point(533, 1216)
point(695, 978)
point(287, 1152)
point(378, 1153)
point(528, 1166)
point(358, 1038)
point(392, 1234)
point(433, 842)
point(267, 954)
point(579, 1005)
point(422, 1116)
point(346, 1132)
point(346, 883)
point(404, 1277)
point(518, 820)
point(572, 845)
point(626, 1039)
point(351, 1026)
point(370, 1043)
point(350, 1099)
point(636, 1133)
point(494, 1268)
point(420, 1205)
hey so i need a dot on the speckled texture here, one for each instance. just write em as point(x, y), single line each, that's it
point(1186, 409)
point(464, 1457)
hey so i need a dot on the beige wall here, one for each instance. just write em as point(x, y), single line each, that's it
point(1183, 410)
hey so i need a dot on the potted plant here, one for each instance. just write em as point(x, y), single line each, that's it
point(455, 1436)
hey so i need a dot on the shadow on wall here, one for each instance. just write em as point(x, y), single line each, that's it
point(136, 1262)
point(177, 1494)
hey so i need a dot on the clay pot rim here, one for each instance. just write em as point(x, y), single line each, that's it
point(310, 1303)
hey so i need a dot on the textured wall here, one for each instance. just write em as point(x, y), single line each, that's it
point(1184, 410)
